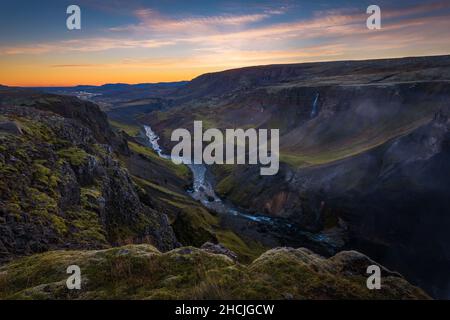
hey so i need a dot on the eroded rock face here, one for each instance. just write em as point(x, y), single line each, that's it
point(393, 199)
point(143, 272)
point(62, 187)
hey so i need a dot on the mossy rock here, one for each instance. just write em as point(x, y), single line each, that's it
point(143, 272)
point(74, 155)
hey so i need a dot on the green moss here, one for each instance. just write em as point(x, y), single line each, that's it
point(101, 149)
point(36, 130)
point(32, 271)
point(228, 187)
point(335, 148)
point(246, 251)
point(130, 129)
point(59, 224)
point(89, 198)
point(142, 272)
point(180, 170)
point(145, 183)
point(14, 209)
point(40, 204)
point(44, 176)
point(225, 186)
point(86, 226)
point(8, 170)
point(21, 154)
point(74, 155)
point(161, 115)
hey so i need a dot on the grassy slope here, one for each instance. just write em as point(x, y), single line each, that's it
point(130, 129)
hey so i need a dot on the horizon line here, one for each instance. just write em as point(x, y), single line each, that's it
point(225, 70)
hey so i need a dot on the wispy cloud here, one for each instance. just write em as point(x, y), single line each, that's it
point(73, 65)
point(83, 45)
point(218, 57)
point(343, 26)
point(152, 20)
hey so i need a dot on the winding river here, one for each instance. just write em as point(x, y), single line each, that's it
point(268, 230)
point(203, 190)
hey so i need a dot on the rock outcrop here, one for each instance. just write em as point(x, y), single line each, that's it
point(61, 184)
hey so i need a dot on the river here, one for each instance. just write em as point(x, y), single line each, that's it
point(268, 230)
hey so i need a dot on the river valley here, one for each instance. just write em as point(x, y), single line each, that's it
point(269, 231)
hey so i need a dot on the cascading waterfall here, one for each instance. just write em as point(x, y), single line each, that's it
point(153, 139)
point(315, 110)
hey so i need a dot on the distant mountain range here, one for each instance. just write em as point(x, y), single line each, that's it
point(115, 93)
point(116, 87)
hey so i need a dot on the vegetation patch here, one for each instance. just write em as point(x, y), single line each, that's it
point(130, 129)
point(74, 155)
point(181, 170)
point(86, 226)
point(142, 272)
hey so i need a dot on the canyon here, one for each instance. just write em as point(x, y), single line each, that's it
point(364, 153)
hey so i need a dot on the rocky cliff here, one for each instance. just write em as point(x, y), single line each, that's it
point(61, 185)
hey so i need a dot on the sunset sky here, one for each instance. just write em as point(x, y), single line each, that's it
point(136, 41)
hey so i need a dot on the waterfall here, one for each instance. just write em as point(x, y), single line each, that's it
point(314, 110)
point(153, 139)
